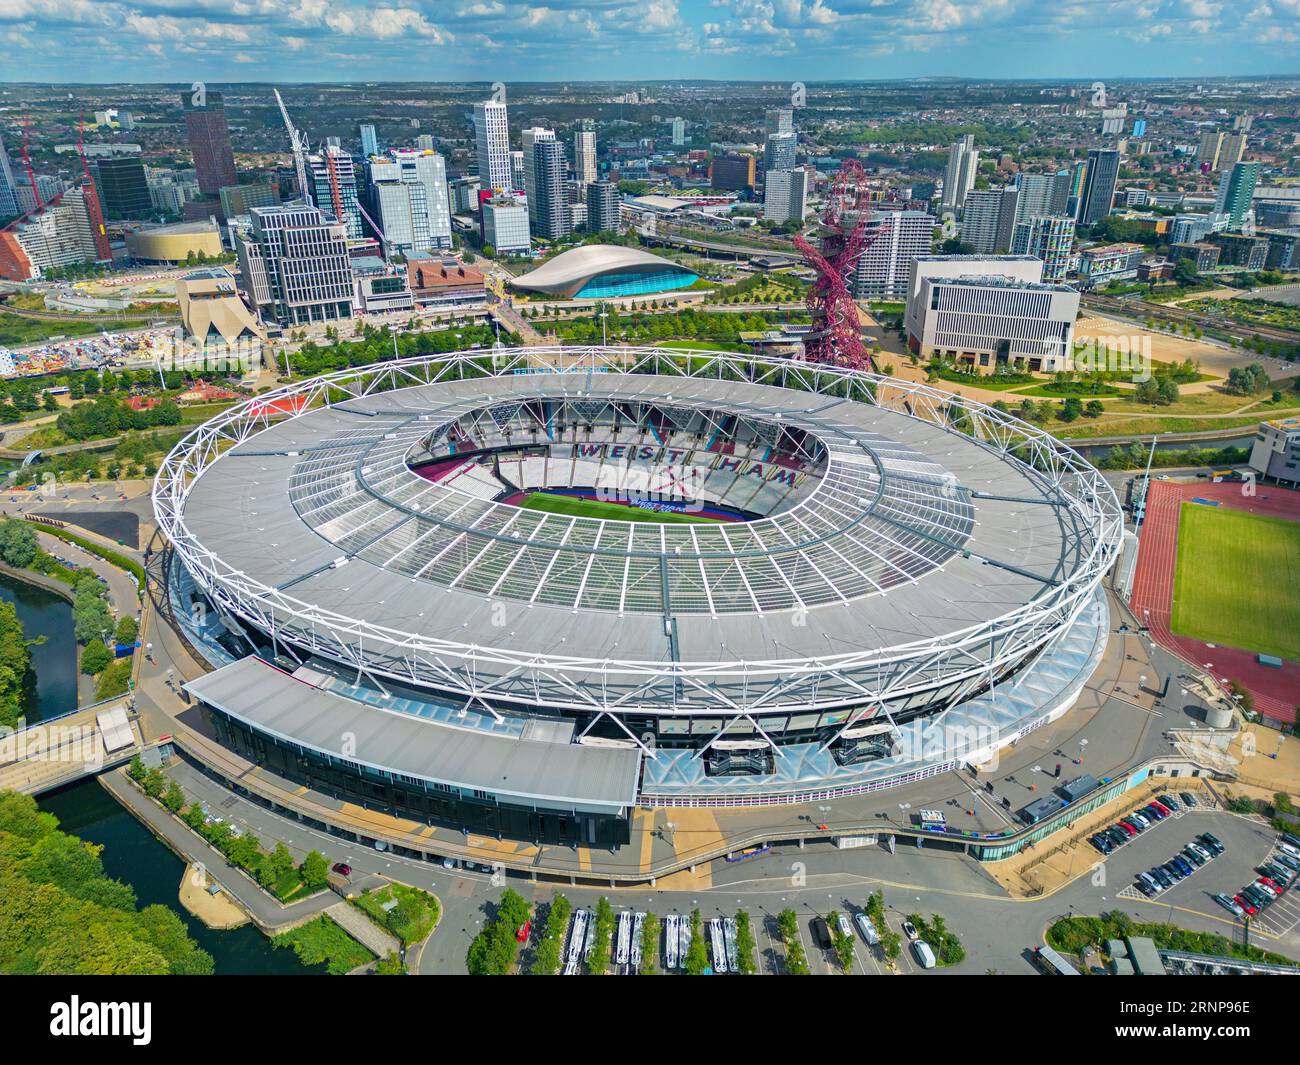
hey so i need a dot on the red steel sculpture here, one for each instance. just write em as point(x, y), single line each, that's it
point(836, 335)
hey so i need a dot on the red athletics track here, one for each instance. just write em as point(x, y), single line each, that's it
point(1276, 691)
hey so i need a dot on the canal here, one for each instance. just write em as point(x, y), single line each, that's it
point(133, 855)
point(54, 661)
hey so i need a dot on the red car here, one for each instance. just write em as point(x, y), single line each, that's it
point(1161, 807)
point(524, 930)
point(343, 869)
point(1244, 903)
point(1126, 827)
point(1271, 883)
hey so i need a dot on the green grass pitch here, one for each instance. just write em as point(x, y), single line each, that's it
point(594, 508)
point(1236, 580)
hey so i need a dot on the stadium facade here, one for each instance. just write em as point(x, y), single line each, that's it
point(605, 271)
point(845, 583)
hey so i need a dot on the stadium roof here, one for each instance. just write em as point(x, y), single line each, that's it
point(570, 270)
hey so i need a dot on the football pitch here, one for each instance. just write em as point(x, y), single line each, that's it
point(1236, 580)
point(595, 508)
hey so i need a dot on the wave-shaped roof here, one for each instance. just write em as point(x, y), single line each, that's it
point(570, 270)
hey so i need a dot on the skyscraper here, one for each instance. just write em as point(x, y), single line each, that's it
point(785, 195)
point(548, 204)
point(779, 152)
point(959, 177)
point(124, 188)
point(602, 207)
point(529, 139)
point(333, 180)
point(412, 202)
point(988, 219)
point(369, 141)
point(679, 131)
point(584, 152)
point(1236, 191)
point(1098, 192)
point(778, 120)
point(1040, 195)
point(517, 181)
point(492, 145)
point(8, 194)
point(209, 137)
point(886, 263)
point(58, 236)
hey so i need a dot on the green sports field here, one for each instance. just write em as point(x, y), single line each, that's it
point(594, 508)
point(1236, 580)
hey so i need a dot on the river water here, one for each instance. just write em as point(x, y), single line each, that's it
point(55, 661)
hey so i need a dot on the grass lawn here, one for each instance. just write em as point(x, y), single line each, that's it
point(594, 508)
point(411, 920)
point(319, 941)
point(1236, 578)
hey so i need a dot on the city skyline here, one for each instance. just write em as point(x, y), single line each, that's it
point(332, 40)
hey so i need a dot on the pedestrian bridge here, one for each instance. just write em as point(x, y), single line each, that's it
point(48, 754)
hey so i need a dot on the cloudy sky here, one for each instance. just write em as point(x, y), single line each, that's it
point(337, 40)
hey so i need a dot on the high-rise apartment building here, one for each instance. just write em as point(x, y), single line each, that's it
point(124, 188)
point(785, 195)
point(549, 215)
point(59, 235)
point(1098, 191)
point(1040, 195)
point(778, 120)
point(517, 172)
point(209, 135)
point(959, 177)
point(1220, 151)
point(411, 198)
point(369, 141)
point(988, 219)
point(897, 237)
point(1236, 191)
point(1049, 238)
point(779, 151)
point(294, 265)
point(529, 139)
point(679, 131)
point(602, 207)
point(492, 145)
point(333, 179)
point(584, 152)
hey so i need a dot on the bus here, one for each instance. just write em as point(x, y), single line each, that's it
point(1049, 963)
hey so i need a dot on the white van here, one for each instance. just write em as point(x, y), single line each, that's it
point(924, 955)
point(867, 928)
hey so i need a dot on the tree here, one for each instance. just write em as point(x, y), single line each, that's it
point(649, 945)
point(390, 965)
point(127, 630)
point(18, 544)
point(15, 666)
point(745, 945)
point(314, 871)
point(281, 862)
point(95, 657)
point(173, 798)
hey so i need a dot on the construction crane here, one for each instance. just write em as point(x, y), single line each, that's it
point(27, 162)
point(91, 196)
point(298, 143)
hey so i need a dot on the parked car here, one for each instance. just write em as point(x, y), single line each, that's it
point(1256, 895)
point(924, 955)
point(1193, 857)
point(1287, 848)
point(1183, 865)
point(1154, 812)
point(1212, 843)
point(1164, 807)
point(1162, 877)
point(910, 931)
point(821, 933)
point(1231, 905)
point(1245, 904)
point(1117, 835)
point(1197, 848)
point(1270, 885)
point(1149, 888)
point(1168, 801)
point(1128, 828)
point(1288, 861)
point(1102, 843)
point(1140, 820)
point(1276, 873)
point(1189, 800)
point(1173, 870)
point(846, 928)
point(342, 868)
point(1147, 880)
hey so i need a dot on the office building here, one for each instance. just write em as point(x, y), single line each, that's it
point(990, 321)
point(333, 179)
point(896, 238)
point(294, 265)
point(1015, 267)
point(679, 132)
point(1098, 191)
point(208, 133)
point(549, 214)
point(785, 195)
point(1275, 453)
point(8, 189)
point(1048, 238)
point(505, 225)
point(603, 207)
point(60, 234)
point(988, 219)
point(124, 188)
point(378, 288)
point(778, 120)
point(464, 194)
point(369, 141)
point(492, 145)
point(732, 172)
point(959, 177)
point(437, 282)
point(412, 202)
point(584, 152)
point(1236, 191)
point(240, 199)
point(1189, 228)
point(530, 138)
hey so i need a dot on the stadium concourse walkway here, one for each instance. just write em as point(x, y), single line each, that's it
point(1276, 691)
point(673, 846)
